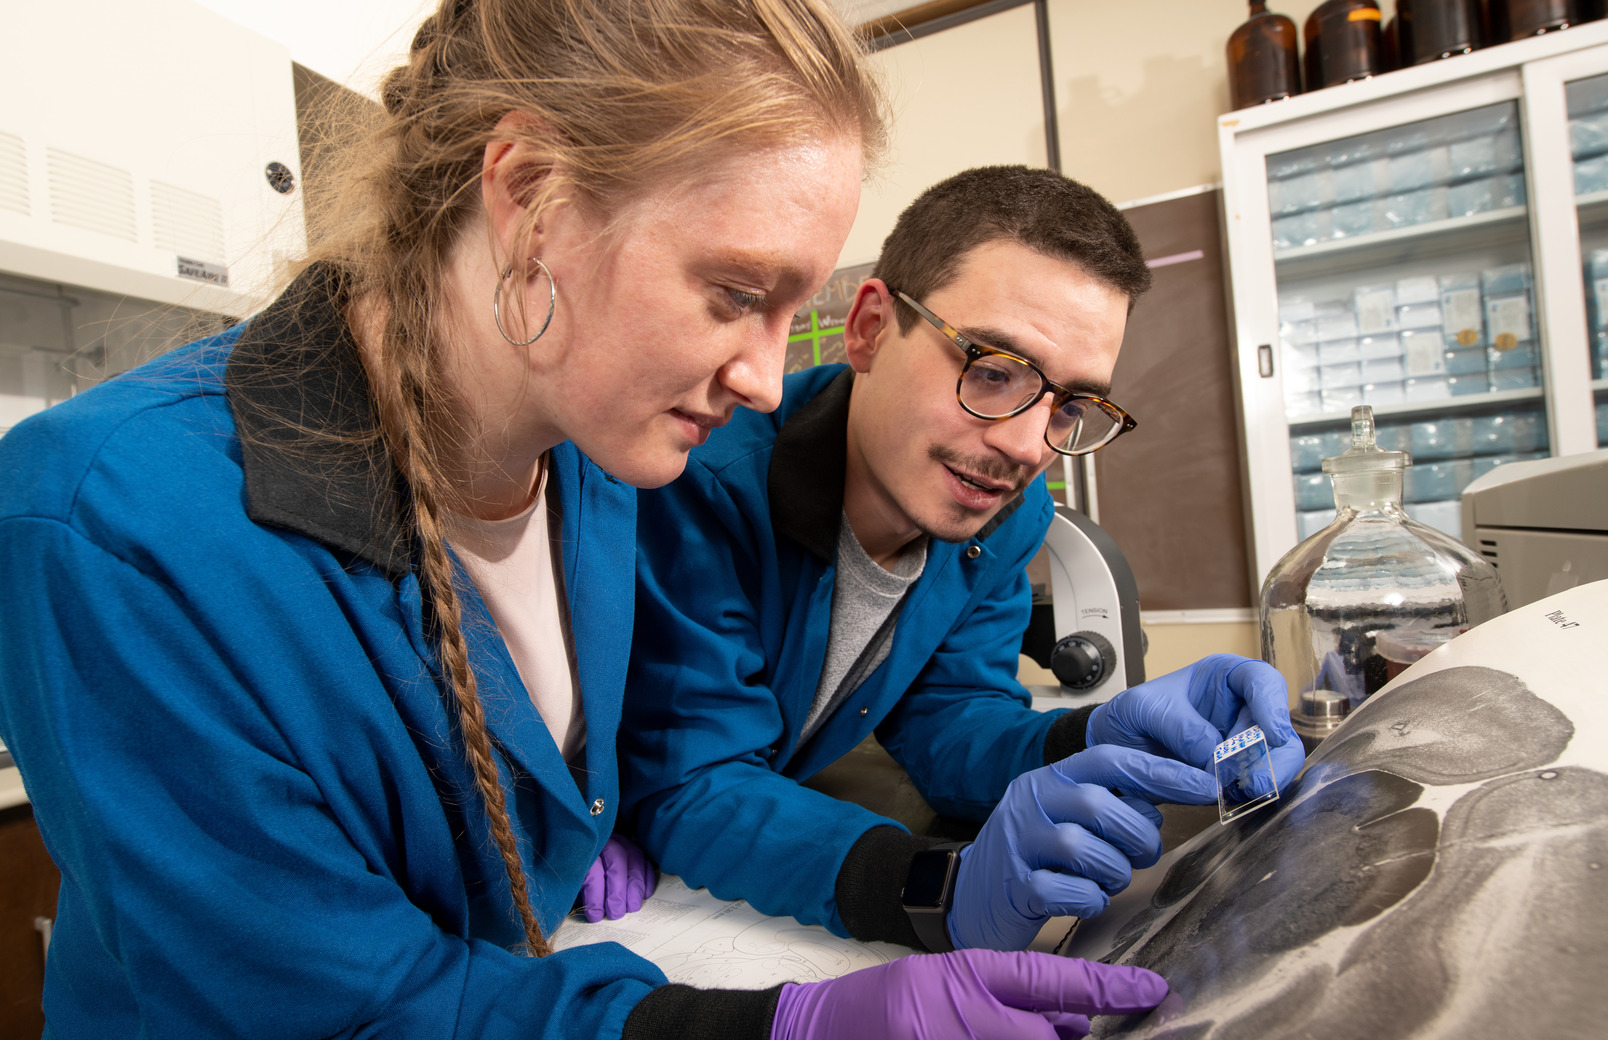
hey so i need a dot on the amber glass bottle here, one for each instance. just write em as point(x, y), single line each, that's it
point(1262, 62)
point(1534, 17)
point(1494, 21)
point(1434, 29)
point(1343, 42)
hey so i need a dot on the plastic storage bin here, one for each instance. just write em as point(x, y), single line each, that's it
point(1435, 439)
point(1313, 491)
point(1462, 310)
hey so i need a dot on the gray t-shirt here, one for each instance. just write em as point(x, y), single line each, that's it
point(865, 605)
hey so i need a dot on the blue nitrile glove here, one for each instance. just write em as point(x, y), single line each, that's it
point(965, 995)
point(1060, 842)
point(1187, 713)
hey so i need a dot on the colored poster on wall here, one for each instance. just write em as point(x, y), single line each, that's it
point(817, 334)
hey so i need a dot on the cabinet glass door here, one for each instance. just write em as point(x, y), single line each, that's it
point(1402, 263)
point(1588, 145)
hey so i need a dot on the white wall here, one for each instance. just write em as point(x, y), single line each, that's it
point(961, 98)
point(1139, 85)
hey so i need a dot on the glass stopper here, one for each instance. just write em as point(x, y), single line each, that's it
point(1362, 427)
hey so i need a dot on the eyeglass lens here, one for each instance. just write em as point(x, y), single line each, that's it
point(994, 386)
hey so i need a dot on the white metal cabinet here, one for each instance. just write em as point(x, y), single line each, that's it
point(1416, 129)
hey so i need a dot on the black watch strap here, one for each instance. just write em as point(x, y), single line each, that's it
point(928, 894)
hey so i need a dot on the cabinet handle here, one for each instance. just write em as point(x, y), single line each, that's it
point(44, 926)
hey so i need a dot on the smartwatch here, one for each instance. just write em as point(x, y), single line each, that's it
point(927, 892)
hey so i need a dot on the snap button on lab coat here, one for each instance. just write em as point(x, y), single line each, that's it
point(973, 551)
point(864, 712)
point(597, 807)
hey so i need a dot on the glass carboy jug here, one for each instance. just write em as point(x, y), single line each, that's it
point(1346, 610)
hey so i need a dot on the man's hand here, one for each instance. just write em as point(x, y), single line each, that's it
point(1187, 713)
point(1061, 842)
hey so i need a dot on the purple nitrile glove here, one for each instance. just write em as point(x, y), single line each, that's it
point(968, 995)
point(1061, 843)
point(1187, 713)
point(618, 882)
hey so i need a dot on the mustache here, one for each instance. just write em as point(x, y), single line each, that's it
point(982, 466)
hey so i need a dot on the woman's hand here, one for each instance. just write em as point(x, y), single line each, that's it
point(967, 995)
point(618, 882)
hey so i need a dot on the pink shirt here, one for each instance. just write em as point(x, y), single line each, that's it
point(511, 563)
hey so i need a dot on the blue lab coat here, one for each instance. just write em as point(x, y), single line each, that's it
point(218, 686)
point(736, 565)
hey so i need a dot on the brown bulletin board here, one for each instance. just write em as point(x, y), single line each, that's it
point(1170, 491)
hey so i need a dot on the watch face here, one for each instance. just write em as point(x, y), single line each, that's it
point(924, 886)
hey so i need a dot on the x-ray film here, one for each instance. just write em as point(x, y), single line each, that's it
point(1445, 849)
point(1243, 769)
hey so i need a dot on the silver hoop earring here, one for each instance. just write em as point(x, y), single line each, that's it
point(496, 304)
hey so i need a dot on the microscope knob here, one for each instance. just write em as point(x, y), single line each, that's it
point(1082, 659)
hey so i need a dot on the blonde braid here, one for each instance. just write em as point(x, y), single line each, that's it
point(437, 573)
point(402, 412)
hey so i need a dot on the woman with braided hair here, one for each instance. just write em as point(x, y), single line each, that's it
point(319, 626)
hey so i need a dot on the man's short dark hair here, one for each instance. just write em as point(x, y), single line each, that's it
point(1039, 208)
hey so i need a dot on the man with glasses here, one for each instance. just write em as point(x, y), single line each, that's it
point(855, 562)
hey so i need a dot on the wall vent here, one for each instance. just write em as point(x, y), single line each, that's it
point(90, 195)
point(13, 175)
point(187, 223)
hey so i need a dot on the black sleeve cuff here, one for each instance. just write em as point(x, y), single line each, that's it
point(1068, 734)
point(871, 881)
point(676, 1012)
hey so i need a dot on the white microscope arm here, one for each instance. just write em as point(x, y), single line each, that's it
point(1099, 649)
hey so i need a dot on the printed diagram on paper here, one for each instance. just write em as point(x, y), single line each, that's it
point(699, 940)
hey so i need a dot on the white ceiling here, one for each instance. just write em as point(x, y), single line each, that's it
point(355, 41)
point(351, 41)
